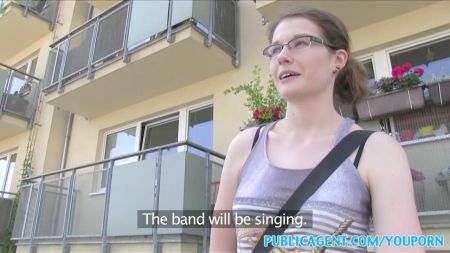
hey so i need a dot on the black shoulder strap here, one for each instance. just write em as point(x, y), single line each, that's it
point(314, 180)
point(255, 139)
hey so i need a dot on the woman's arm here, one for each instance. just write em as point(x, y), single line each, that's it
point(224, 239)
point(390, 183)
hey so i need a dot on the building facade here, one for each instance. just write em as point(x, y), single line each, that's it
point(116, 106)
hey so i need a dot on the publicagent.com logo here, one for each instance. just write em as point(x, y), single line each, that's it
point(167, 219)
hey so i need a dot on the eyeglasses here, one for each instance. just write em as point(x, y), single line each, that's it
point(296, 44)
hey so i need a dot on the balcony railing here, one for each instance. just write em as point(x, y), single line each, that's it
point(131, 25)
point(68, 205)
point(19, 93)
point(45, 9)
point(6, 210)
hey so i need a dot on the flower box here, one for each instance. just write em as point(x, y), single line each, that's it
point(440, 92)
point(392, 102)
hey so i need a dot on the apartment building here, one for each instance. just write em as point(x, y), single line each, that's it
point(109, 107)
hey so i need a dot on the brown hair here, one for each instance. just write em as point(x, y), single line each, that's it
point(351, 82)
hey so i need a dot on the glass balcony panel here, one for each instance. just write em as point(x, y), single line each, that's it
point(131, 179)
point(21, 212)
point(201, 12)
point(182, 10)
point(50, 67)
point(225, 19)
point(78, 54)
point(87, 205)
point(148, 18)
point(431, 174)
point(111, 33)
point(31, 209)
point(53, 206)
point(61, 50)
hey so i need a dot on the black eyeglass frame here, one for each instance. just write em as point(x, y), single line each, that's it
point(311, 39)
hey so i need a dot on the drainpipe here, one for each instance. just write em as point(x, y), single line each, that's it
point(66, 141)
point(60, 190)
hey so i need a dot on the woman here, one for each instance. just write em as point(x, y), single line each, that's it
point(310, 62)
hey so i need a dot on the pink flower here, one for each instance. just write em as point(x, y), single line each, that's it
point(418, 71)
point(407, 66)
point(276, 109)
point(397, 71)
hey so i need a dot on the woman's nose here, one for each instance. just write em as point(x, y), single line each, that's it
point(285, 56)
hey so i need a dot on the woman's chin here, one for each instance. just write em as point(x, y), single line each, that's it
point(293, 96)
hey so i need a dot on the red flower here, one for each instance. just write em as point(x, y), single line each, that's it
point(418, 71)
point(407, 66)
point(276, 113)
point(257, 115)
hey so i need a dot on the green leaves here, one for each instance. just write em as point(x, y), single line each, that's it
point(262, 100)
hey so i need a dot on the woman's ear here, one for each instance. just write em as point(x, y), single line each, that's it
point(341, 58)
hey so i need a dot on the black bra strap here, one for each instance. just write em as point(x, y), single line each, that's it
point(358, 155)
point(255, 139)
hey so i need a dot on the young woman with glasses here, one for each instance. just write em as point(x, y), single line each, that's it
point(310, 62)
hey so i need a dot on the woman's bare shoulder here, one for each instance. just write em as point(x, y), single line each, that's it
point(241, 145)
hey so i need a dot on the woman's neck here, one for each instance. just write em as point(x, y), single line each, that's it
point(310, 119)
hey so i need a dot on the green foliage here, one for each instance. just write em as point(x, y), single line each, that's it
point(262, 100)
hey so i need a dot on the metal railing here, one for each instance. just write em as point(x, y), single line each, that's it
point(130, 25)
point(6, 212)
point(67, 204)
point(19, 93)
point(44, 9)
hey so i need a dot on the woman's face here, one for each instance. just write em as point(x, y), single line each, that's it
point(313, 66)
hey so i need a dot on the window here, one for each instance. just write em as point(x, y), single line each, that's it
point(433, 57)
point(160, 133)
point(200, 130)
point(194, 124)
point(368, 64)
point(7, 165)
point(117, 144)
point(18, 79)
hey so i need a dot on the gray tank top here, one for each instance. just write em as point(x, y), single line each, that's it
point(264, 188)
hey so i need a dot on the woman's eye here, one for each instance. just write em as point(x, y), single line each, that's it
point(276, 50)
point(300, 43)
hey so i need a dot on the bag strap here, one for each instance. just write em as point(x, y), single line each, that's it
point(313, 181)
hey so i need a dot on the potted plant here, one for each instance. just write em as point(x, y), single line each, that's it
point(16, 103)
point(440, 90)
point(401, 92)
point(265, 106)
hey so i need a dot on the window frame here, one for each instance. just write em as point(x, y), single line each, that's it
point(158, 118)
point(3, 185)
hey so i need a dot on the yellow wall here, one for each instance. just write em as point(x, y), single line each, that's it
point(402, 28)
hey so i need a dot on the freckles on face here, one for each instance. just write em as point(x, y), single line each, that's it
point(312, 64)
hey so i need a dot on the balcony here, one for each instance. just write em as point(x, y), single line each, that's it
point(19, 94)
point(24, 22)
point(66, 206)
point(355, 14)
point(159, 47)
